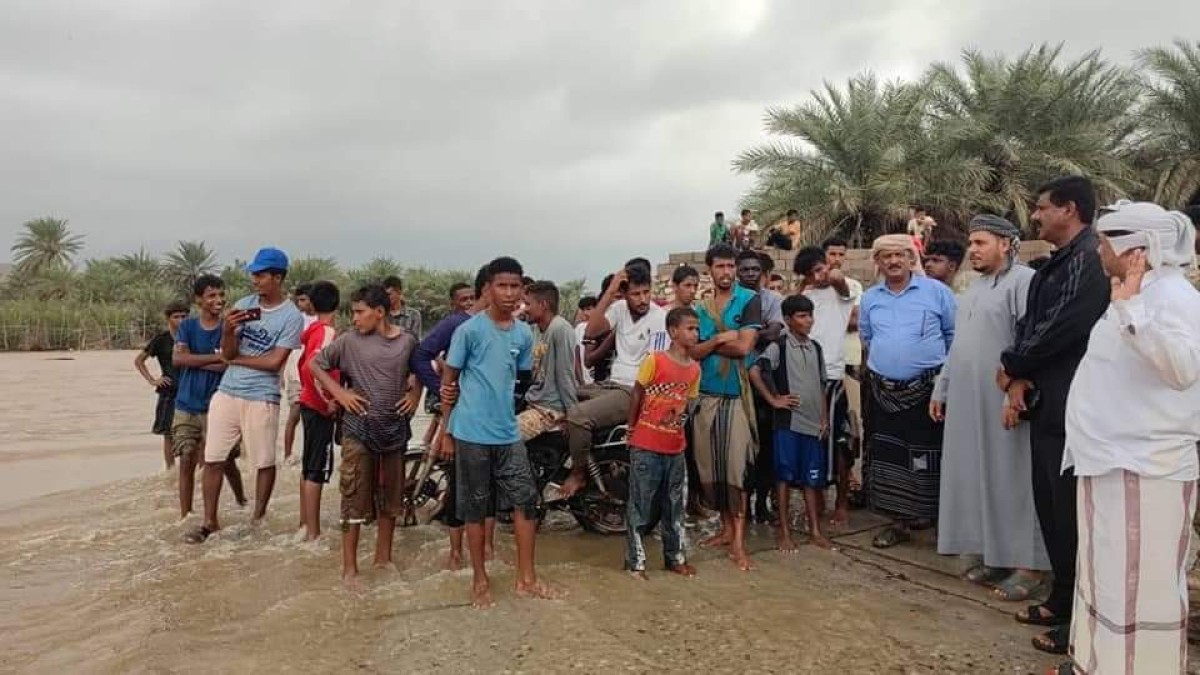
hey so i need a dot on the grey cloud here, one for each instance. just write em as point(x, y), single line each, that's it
point(573, 134)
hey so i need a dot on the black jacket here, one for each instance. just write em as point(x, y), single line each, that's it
point(1066, 298)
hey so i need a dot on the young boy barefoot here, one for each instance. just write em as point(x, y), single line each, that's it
point(373, 360)
point(316, 407)
point(794, 382)
point(488, 355)
point(162, 347)
point(665, 382)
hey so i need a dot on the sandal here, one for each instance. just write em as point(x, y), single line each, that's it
point(1017, 588)
point(198, 535)
point(1055, 641)
point(984, 575)
point(891, 537)
point(1036, 615)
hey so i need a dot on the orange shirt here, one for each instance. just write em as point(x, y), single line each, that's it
point(667, 387)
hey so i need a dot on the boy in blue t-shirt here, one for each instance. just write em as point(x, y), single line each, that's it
point(256, 338)
point(489, 354)
point(198, 368)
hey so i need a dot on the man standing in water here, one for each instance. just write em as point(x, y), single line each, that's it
point(198, 362)
point(301, 295)
point(256, 339)
point(1066, 298)
point(986, 506)
point(160, 347)
point(490, 357)
point(373, 359)
point(907, 325)
point(725, 434)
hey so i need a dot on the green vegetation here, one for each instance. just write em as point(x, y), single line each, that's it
point(50, 302)
point(980, 136)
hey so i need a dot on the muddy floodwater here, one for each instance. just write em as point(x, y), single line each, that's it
point(96, 579)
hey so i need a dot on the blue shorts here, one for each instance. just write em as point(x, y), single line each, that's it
point(800, 459)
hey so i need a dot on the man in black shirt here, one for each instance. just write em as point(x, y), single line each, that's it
point(161, 347)
point(1066, 298)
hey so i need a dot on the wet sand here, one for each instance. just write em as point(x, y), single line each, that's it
point(96, 579)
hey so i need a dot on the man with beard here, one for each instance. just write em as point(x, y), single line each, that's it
point(1066, 298)
point(907, 326)
point(725, 429)
point(750, 269)
point(986, 499)
point(639, 328)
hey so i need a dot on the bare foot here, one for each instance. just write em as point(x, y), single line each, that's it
point(820, 541)
point(718, 540)
point(454, 562)
point(385, 566)
point(785, 543)
point(741, 561)
point(538, 591)
point(352, 583)
point(481, 596)
point(639, 575)
point(682, 569)
point(841, 517)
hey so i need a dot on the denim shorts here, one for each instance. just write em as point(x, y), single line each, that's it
point(491, 477)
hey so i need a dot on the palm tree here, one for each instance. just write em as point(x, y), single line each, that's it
point(1033, 118)
point(46, 244)
point(375, 271)
point(308, 270)
point(107, 280)
point(860, 157)
point(188, 261)
point(1172, 114)
point(141, 265)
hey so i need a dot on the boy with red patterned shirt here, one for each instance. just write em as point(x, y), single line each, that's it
point(316, 408)
point(666, 382)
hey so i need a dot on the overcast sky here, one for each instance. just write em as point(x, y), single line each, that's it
point(572, 134)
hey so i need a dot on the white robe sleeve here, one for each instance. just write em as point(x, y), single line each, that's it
point(1164, 339)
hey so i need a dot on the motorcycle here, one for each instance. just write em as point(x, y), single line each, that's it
point(598, 507)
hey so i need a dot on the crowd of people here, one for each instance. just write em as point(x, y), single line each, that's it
point(1044, 422)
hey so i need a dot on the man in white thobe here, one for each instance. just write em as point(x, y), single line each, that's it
point(1132, 428)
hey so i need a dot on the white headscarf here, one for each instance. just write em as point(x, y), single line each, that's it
point(1168, 236)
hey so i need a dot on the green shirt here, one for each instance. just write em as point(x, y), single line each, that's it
point(718, 233)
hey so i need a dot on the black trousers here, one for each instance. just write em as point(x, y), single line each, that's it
point(1054, 500)
point(764, 462)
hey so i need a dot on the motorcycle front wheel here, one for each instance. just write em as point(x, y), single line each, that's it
point(604, 512)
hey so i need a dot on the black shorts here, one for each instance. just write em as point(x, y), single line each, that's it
point(164, 412)
point(491, 478)
point(317, 458)
point(839, 421)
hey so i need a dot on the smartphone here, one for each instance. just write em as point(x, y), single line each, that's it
point(253, 313)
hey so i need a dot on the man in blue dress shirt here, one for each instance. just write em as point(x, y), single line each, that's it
point(907, 323)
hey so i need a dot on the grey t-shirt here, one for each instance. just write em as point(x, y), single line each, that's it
point(553, 366)
point(376, 367)
point(806, 379)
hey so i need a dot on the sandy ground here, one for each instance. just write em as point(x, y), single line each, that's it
point(96, 579)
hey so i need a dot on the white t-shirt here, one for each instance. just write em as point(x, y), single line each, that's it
point(635, 340)
point(580, 333)
point(831, 316)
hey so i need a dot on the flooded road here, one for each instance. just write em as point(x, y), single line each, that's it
point(96, 579)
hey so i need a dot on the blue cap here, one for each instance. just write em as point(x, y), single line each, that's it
point(268, 259)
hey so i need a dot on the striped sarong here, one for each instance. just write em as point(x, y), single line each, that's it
point(904, 470)
point(724, 451)
point(1131, 596)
